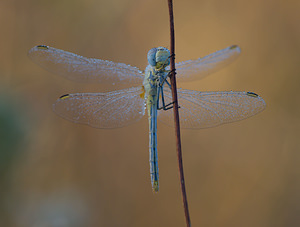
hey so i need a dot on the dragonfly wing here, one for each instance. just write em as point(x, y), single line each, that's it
point(81, 69)
point(103, 110)
point(209, 109)
point(197, 69)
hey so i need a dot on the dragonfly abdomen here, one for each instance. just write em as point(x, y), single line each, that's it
point(153, 159)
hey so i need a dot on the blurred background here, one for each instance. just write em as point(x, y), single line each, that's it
point(54, 173)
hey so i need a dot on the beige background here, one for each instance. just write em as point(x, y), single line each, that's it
point(58, 174)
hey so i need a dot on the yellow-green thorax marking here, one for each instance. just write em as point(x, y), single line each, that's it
point(155, 74)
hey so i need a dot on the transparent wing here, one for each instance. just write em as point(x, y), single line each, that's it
point(82, 69)
point(103, 110)
point(209, 109)
point(201, 67)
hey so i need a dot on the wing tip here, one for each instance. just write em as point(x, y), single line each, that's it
point(254, 95)
point(37, 48)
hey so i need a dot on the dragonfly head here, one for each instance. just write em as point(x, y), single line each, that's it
point(159, 57)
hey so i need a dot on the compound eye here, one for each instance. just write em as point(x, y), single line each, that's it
point(152, 56)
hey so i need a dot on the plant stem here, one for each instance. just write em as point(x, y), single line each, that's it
point(176, 115)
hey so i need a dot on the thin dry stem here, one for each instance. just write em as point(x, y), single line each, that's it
point(176, 115)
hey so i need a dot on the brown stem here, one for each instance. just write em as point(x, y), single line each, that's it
point(176, 115)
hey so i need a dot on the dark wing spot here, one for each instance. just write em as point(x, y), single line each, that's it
point(64, 96)
point(42, 47)
point(252, 94)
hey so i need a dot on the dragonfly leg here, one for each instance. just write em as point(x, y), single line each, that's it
point(164, 105)
point(167, 82)
point(167, 107)
point(165, 79)
point(171, 71)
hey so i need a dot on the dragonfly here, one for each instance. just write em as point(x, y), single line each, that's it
point(151, 93)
